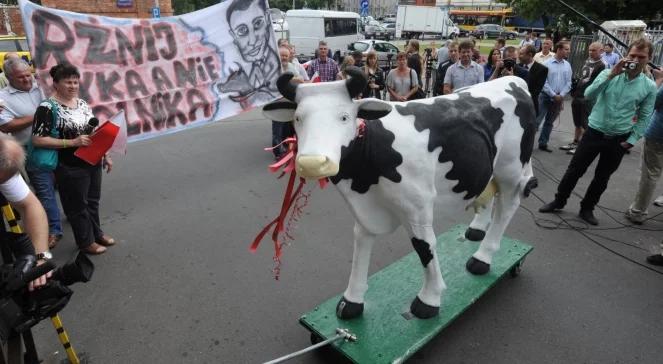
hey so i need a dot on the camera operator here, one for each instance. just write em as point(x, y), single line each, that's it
point(508, 65)
point(620, 94)
point(16, 191)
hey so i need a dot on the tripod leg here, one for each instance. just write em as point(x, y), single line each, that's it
point(30, 348)
point(64, 340)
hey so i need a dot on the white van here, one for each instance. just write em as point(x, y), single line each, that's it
point(308, 27)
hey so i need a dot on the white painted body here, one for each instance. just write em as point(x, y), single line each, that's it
point(322, 123)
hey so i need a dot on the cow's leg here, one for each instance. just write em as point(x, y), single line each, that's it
point(351, 304)
point(427, 302)
point(477, 229)
point(506, 204)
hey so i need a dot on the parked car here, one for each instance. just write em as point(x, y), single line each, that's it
point(378, 32)
point(385, 51)
point(391, 30)
point(485, 31)
point(10, 43)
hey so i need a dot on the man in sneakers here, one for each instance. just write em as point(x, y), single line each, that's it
point(620, 93)
point(580, 107)
point(558, 84)
point(652, 159)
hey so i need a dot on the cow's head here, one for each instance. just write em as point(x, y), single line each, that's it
point(325, 118)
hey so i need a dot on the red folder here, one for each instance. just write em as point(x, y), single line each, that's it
point(102, 140)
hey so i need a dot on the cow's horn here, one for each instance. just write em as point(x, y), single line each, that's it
point(357, 81)
point(286, 88)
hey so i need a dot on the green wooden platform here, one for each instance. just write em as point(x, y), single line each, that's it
point(386, 333)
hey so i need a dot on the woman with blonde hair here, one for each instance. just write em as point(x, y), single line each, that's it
point(374, 76)
point(347, 61)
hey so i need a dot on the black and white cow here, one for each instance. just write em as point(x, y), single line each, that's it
point(472, 145)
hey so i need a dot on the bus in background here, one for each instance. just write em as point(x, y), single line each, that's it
point(307, 27)
point(467, 20)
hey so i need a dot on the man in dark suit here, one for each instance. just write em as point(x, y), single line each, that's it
point(537, 73)
point(508, 66)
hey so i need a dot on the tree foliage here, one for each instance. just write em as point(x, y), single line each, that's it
point(597, 10)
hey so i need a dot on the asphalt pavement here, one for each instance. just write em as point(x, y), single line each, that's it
point(182, 287)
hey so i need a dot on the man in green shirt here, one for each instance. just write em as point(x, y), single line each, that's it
point(620, 94)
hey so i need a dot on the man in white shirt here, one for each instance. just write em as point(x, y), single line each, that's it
point(545, 53)
point(527, 41)
point(21, 98)
point(16, 191)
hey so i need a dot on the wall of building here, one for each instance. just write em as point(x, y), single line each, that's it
point(138, 9)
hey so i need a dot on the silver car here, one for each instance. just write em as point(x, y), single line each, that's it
point(385, 51)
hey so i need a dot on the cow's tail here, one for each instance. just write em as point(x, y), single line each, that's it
point(527, 181)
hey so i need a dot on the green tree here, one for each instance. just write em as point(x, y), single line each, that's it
point(597, 10)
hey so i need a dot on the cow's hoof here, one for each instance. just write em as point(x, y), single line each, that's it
point(530, 185)
point(474, 234)
point(348, 310)
point(477, 267)
point(422, 310)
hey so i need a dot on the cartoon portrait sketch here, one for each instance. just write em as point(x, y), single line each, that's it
point(253, 79)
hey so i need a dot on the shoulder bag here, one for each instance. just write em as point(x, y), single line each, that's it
point(45, 158)
point(419, 94)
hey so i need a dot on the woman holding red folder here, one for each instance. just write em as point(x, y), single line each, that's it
point(79, 182)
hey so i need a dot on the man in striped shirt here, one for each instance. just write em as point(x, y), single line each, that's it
point(325, 67)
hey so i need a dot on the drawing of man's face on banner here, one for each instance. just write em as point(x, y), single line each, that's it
point(249, 25)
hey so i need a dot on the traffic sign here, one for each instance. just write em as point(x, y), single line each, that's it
point(363, 4)
point(156, 13)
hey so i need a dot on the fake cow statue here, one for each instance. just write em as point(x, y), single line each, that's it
point(472, 147)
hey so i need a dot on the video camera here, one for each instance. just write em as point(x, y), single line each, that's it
point(429, 58)
point(21, 309)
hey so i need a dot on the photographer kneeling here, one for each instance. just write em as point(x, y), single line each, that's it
point(16, 191)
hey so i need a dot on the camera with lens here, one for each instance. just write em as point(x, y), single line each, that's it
point(21, 309)
point(509, 64)
point(630, 65)
point(429, 58)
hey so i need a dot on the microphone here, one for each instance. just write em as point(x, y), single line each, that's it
point(91, 124)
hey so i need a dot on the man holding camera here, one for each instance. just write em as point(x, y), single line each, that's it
point(620, 94)
point(508, 66)
point(16, 191)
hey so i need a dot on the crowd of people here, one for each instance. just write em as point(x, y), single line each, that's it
point(49, 131)
point(614, 102)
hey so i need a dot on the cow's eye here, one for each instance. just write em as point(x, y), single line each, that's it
point(298, 120)
point(345, 118)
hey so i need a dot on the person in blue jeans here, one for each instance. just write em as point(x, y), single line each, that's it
point(44, 184)
point(557, 86)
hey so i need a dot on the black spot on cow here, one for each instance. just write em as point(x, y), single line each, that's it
point(524, 112)
point(369, 157)
point(465, 129)
point(423, 250)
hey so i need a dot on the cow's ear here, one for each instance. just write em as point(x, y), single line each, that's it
point(280, 110)
point(372, 109)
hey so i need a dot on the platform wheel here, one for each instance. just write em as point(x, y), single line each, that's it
point(515, 271)
point(315, 338)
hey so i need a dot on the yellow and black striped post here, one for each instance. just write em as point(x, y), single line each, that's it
point(8, 212)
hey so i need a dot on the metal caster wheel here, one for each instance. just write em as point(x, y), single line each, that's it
point(515, 271)
point(315, 338)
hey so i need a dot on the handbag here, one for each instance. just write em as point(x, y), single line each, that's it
point(45, 158)
point(419, 94)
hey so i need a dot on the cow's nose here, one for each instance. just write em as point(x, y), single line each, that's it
point(315, 166)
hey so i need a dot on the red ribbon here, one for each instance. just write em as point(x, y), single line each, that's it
point(289, 199)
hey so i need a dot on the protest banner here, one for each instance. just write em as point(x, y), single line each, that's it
point(165, 74)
